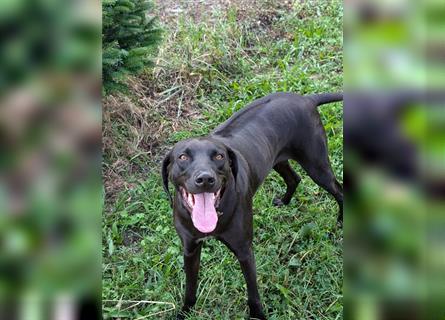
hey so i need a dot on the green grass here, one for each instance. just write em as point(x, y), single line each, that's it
point(298, 249)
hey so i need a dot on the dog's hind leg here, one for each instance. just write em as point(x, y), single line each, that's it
point(324, 177)
point(315, 161)
point(290, 177)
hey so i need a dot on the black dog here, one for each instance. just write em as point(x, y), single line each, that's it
point(216, 177)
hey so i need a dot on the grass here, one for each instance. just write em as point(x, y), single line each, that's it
point(206, 70)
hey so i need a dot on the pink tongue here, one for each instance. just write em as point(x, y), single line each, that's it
point(204, 215)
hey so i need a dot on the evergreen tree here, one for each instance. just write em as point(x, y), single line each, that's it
point(129, 39)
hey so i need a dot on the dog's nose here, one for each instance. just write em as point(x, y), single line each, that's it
point(204, 179)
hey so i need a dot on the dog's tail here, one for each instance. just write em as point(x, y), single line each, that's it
point(323, 98)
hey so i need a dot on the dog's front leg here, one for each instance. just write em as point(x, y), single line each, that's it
point(192, 255)
point(244, 253)
point(247, 263)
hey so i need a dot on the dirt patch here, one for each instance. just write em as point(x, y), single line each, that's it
point(135, 129)
point(199, 10)
point(262, 12)
point(131, 238)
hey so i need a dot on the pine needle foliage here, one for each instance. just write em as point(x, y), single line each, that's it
point(130, 36)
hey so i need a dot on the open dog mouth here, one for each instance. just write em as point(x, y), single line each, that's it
point(202, 207)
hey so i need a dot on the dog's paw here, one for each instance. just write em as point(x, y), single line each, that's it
point(277, 202)
point(340, 224)
point(340, 221)
point(258, 317)
point(180, 316)
point(256, 311)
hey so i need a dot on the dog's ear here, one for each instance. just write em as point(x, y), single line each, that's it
point(239, 170)
point(233, 161)
point(165, 174)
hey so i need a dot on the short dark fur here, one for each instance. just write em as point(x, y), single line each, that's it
point(262, 136)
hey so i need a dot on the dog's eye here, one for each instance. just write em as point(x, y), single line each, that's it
point(183, 157)
point(219, 157)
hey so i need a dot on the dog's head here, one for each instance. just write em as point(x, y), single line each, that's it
point(200, 170)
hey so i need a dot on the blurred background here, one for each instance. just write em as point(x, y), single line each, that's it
point(50, 173)
point(394, 135)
